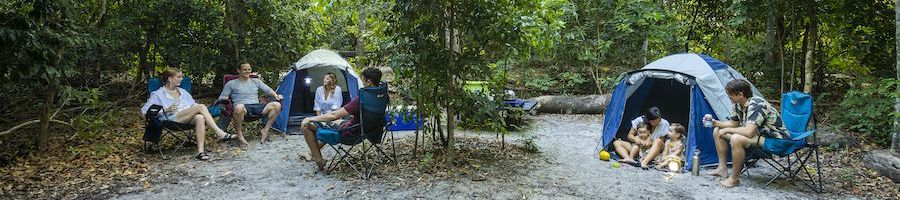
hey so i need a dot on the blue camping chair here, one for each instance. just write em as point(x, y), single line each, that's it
point(796, 114)
point(372, 125)
point(169, 127)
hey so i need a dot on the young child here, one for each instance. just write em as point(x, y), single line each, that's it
point(673, 156)
point(630, 150)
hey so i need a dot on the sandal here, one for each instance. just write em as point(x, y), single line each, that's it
point(202, 156)
point(228, 137)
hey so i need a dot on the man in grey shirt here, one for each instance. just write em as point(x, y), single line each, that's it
point(244, 95)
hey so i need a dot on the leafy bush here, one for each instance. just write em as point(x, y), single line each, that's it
point(869, 110)
point(485, 114)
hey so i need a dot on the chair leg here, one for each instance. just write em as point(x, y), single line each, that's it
point(345, 157)
point(812, 183)
point(782, 171)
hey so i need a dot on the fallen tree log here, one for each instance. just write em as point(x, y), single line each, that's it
point(885, 162)
point(588, 104)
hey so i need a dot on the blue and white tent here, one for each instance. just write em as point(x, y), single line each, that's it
point(685, 87)
point(299, 85)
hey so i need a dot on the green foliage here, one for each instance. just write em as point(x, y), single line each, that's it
point(491, 115)
point(421, 57)
point(530, 146)
point(870, 110)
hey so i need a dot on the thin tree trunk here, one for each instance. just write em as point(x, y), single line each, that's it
point(810, 51)
point(50, 94)
point(895, 142)
point(143, 65)
point(644, 49)
point(44, 132)
point(774, 34)
point(454, 47)
point(236, 16)
point(360, 39)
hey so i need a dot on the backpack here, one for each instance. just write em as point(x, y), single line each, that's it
point(153, 128)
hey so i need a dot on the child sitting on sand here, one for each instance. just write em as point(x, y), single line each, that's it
point(633, 149)
point(673, 156)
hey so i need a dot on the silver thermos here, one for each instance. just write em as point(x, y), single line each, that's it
point(695, 163)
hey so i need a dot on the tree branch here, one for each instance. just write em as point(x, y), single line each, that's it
point(23, 124)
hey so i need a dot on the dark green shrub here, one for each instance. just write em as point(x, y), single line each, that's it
point(869, 110)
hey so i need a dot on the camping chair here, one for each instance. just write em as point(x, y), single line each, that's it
point(228, 109)
point(796, 113)
point(372, 124)
point(169, 127)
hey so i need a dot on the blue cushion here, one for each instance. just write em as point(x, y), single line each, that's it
point(329, 136)
point(780, 147)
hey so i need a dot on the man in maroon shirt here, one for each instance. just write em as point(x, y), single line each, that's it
point(371, 77)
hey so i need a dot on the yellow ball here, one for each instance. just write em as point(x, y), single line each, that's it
point(604, 155)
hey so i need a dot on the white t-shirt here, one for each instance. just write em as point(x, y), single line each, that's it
point(660, 130)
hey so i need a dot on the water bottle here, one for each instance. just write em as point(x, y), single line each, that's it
point(695, 163)
point(707, 121)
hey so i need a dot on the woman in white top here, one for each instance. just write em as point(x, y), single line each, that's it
point(179, 106)
point(328, 96)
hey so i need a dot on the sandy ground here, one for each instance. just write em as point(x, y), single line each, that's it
point(568, 169)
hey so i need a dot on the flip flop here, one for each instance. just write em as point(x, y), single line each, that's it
point(228, 137)
point(202, 156)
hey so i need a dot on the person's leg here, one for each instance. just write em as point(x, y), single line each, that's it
point(662, 164)
point(738, 144)
point(309, 133)
point(271, 111)
point(722, 151)
point(187, 115)
point(200, 132)
point(655, 150)
point(622, 148)
point(635, 149)
point(237, 119)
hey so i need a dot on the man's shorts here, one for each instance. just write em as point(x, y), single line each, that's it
point(254, 110)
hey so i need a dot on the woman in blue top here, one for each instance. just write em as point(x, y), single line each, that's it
point(179, 106)
point(328, 96)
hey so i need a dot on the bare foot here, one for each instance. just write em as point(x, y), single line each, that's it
point(320, 164)
point(263, 135)
point(719, 171)
point(628, 161)
point(730, 182)
point(243, 142)
point(644, 165)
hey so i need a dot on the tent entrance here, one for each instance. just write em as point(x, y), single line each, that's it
point(673, 98)
point(308, 80)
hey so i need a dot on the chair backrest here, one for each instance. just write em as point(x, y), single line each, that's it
point(229, 77)
point(796, 111)
point(373, 104)
point(154, 84)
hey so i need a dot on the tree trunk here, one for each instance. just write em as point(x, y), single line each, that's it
point(454, 47)
point(360, 39)
point(810, 51)
point(236, 16)
point(895, 142)
point(44, 132)
point(143, 66)
point(644, 49)
point(774, 34)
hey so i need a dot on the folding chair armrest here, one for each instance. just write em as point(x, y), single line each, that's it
point(803, 135)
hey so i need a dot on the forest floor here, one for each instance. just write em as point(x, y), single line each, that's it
point(554, 158)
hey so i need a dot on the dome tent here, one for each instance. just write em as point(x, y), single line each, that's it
point(299, 85)
point(685, 87)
